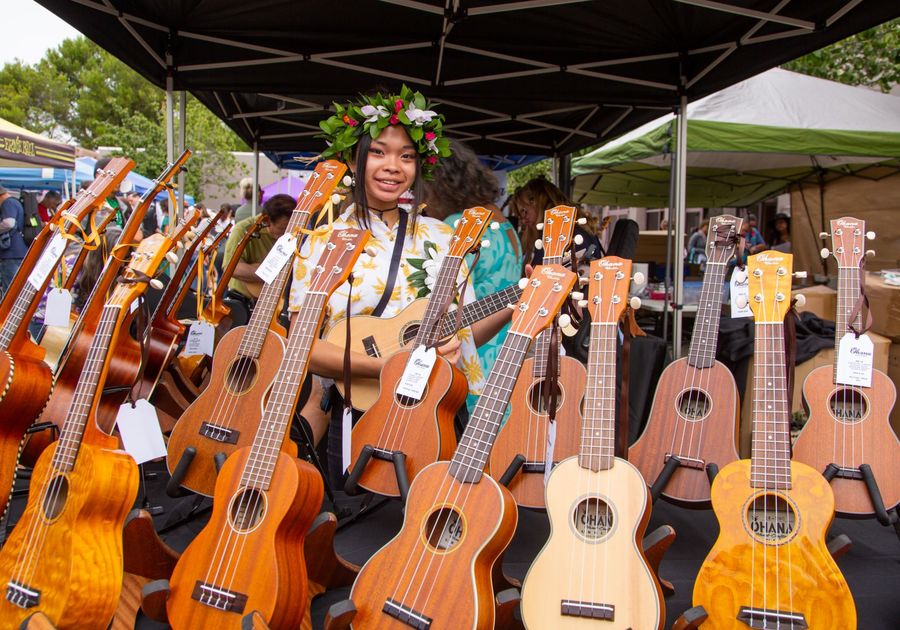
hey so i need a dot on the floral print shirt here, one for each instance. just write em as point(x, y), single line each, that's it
point(422, 256)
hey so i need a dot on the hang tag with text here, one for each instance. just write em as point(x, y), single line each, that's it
point(200, 339)
point(418, 369)
point(47, 262)
point(277, 258)
point(855, 360)
point(346, 430)
point(740, 295)
point(551, 446)
point(58, 309)
point(139, 428)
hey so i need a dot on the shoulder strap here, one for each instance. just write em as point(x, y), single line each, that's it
point(395, 264)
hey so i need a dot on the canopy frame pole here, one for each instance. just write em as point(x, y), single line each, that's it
point(667, 279)
point(680, 220)
point(170, 112)
point(182, 120)
point(255, 198)
point(563, 165)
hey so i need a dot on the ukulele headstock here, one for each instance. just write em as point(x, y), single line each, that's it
point(608, 285)
point(769, 277)
point(468, 231)
point(544, 294)
point(556, 230)
point(145, 261)
point(337, 260)
point(848, 241)
point(722, 238)
point(326, 177)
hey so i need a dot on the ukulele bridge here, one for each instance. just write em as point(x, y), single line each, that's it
point(21, 595)
point(219, 598)
point(589, 610)
point(405, 614)
point(767, 619)
point(688, 462)
point(219, 434)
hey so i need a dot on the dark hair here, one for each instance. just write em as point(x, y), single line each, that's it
point(51, 194)
point(101, 164)
point(279, 207)
point(461, 182)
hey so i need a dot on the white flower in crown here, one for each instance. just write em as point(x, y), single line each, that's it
point(373, 112)
point(432, 147)
point(419, 116)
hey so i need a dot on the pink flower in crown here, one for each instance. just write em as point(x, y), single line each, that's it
point(430, 135)
point(394, 120)
point(398, 105)
point(350, 121)
point(431, 159)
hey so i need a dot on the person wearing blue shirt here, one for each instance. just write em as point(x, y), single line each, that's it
point(12, 243)
point(755, 242)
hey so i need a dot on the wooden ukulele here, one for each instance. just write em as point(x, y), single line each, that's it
point(848, 435)
point(692, 429)
point(437, 572)
point(250, 557)
point(25, 380)
point(518, 459)
point(770, 567)
point(64, 557)
point(400, 434)
point(224, 417)
point(593, 566)
point(215, 309)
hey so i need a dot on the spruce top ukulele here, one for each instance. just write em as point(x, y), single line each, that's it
point(436, 573)
point(692, 428)
point(224, 417)
point(249, 557)
point(848, 436)
point(592, 568)
point(770, 567)
point(519, 456)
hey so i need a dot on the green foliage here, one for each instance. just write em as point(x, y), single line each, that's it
point(521, 176)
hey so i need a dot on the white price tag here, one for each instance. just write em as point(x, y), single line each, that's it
point(200, 339)
point(855, 359)
point(139, 428)
point(740, 292)
point(58, 309)
point(346, 430)
point(551, 446)
point(134, 305)
point(48, 261)
point(418, 369)
point(277, 257)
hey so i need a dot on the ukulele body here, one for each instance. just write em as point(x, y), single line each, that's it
point(423, 431)
point(525, 431)
point(785, 568)
point(265, 564)
point(79, 567)
point(862, 436)
point(594, 555)
point(233, 399)
point(453, 585)
point(694, 414)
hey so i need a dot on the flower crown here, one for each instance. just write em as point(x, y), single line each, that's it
point(372, 114)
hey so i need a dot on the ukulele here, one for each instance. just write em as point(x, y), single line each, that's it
point(215, 310)
point(593, 566)
point(224, 417)
point(437, 572)
point(692, 429)
point(848, 435)
point(400, 434)
point(64, 557)
point(250, 557)
point(25, 380)
point(519, 455)
point(770, 567)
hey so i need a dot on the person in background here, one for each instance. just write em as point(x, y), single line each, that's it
point(696, 247)
point(780, 233)
point(664, 225)
point(246, 208)
point(12, 243)
point(754, 240)
point(48, 205)
point(117, 204)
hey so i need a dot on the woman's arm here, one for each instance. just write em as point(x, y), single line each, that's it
point(487, 328)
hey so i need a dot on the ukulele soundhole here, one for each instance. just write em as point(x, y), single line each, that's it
point(693, 405)
point(537, 396)
point(443, 529)
point(409, 332)
point(241, 375)
point(55, 497)
point(247, 509)
point(771, 519)
point(848, 404)
point(593, 519)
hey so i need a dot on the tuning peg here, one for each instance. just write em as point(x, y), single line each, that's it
point(511, 307)
point(740, 276)
point(583, 280)
point(870, 253)
point(741, 301)
point(523, 282)
point(156, 284)
point(540, 226)
point(581, 221)
point(635, 302)
point(456, 223)
point(565, 324)
point(870, 235)
point(370, 252)
point(824, 253)
point(582, 303)
point(577, 295)
point(178, 244)
point(539, 244)
point(578, 240)
point(495, 225)
point(823, 235)
point(336, 199)
point(799, 274)
point(485, 243)
point(638, 278)
point(347, 181)
point(172, 257)
point(800, 300)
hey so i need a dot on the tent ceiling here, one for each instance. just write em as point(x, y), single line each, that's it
point(527, 76)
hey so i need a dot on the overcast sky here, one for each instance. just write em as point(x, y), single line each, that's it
point(28, 30)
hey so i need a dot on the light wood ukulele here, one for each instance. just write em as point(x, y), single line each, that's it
point(848, 435)
point(250, 556)
point(592, 572)
point(64, 558)
point(693, 425)
point(518, 458)
point(770, 567)
point(436, 573)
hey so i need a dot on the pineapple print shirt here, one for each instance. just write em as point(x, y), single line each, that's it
point(422, 256)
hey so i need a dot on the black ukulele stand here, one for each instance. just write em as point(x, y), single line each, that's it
point(864, 473)
point(672, 463)
point(690, 619)
point(397, 458)
point(143, 498)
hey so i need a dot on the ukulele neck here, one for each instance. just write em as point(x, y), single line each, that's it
point(542, 343)
point(771, 452)
point(847, 296)
point(702, 353)
point(444, 288)
point(598, 429)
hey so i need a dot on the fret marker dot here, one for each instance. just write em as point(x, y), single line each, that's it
point(770, 383)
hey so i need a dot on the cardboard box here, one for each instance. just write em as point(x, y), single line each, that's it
point(884, 304)
point(893, 373)
point(820, 300)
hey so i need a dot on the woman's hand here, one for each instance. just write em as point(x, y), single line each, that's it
point(452, 350)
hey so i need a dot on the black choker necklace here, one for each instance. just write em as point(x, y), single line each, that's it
point(381, 212)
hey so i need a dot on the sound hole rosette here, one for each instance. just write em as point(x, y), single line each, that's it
point(693, 404)
point(593, 518)
point(241, 376)
point(55, 497)
point(443, 529)
point(848, 404)
point(408, 333)
point(771, 518)
point(536, 396)
point(247, 509)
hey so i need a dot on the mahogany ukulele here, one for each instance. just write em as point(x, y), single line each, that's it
point(250, 557)
point(400, 434)
point(215, 310)
point(64, 557)
point(224, 417)
point(848, 435)
point(518, 459)
point(593, 567)
point(436, 573)
point(692, 429)
point(770, 566)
